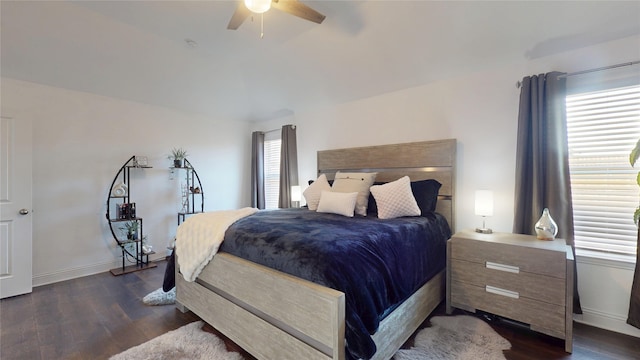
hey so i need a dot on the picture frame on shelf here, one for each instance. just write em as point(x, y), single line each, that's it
point(126, 211)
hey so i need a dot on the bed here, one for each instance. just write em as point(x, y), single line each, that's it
point(274, 315)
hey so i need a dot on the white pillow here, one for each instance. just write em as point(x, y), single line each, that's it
point(312, 193)
point(355, 182)
point(337, 203)
point(395, 199)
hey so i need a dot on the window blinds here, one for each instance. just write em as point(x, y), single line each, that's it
point(272, 172)
point(603, 127)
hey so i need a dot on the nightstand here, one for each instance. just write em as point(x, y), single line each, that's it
point(514, 276)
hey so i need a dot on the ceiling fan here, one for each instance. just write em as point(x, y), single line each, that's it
point(293, 7)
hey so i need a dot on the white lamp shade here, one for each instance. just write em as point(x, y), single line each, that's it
point(296, 193)
point(484, 202)
point(258, 6)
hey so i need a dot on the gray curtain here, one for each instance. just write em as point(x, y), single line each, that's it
point(634, 301)
point(257, 170)
point(542, 161)
point(288, 165)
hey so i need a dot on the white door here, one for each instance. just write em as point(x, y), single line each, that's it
point(15, 207)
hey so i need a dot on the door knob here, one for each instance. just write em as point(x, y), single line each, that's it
point(24, 211)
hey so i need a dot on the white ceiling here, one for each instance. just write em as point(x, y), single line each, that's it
point(136, 50)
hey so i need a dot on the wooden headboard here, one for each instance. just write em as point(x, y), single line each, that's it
point(419, 160)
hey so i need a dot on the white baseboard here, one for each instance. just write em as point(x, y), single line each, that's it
point(607, 321)
point(73, 273)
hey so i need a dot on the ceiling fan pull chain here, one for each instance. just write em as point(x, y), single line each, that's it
point(262, 26)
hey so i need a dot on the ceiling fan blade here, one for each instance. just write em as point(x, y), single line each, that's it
point(238, 17)
point(298, 9)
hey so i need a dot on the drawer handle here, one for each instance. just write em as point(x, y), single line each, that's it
point(502, 267)
point(503, 292)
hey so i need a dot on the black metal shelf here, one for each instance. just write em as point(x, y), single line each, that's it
point(140, 259)
point(125, 220)
point(193, 182)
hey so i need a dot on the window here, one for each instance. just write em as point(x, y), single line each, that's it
point(272, 143)
point(603, 126)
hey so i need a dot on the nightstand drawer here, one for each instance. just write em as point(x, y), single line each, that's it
point(526, 259)
point(543, 317)
point(537, 287)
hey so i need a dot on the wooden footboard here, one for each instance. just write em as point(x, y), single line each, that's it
point(273, 315)
point(270, 314)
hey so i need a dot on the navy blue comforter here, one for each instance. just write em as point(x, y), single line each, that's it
point(376, 263)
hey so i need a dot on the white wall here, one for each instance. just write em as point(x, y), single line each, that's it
point(479, 110)
point(80, 142)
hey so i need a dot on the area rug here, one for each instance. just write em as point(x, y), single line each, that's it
point(188, 342)
point(449, 338)
point(456, 337)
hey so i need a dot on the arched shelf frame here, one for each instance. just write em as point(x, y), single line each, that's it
point(119, 195)
point(193, 192)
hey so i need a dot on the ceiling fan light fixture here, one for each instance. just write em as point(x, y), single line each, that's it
point(258, 6)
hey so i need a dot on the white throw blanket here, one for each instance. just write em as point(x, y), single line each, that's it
point(200, 236)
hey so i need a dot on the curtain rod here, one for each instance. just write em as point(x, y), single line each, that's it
point(600, 69)
point(519, 83)
point(280, 129)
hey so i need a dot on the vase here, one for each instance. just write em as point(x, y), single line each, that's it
point(546, 228)
point(119, 190)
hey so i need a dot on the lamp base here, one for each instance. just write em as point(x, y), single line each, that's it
point(484, 231)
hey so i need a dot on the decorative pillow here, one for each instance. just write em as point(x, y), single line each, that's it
point(337, 203)
point(355, 182)
point(313, 192)
point(426, 194)
point(395, 199)
point(424, 191)
point(311, 182)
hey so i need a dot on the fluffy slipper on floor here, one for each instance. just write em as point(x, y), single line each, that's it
point(159, 297)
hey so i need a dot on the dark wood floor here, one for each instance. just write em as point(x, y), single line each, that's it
point(101, 315)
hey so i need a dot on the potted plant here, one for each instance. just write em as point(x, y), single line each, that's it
point(177, 155)
point(131, 229)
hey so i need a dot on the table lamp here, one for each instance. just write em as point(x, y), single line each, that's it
point(484, 208)
point(296, 195)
